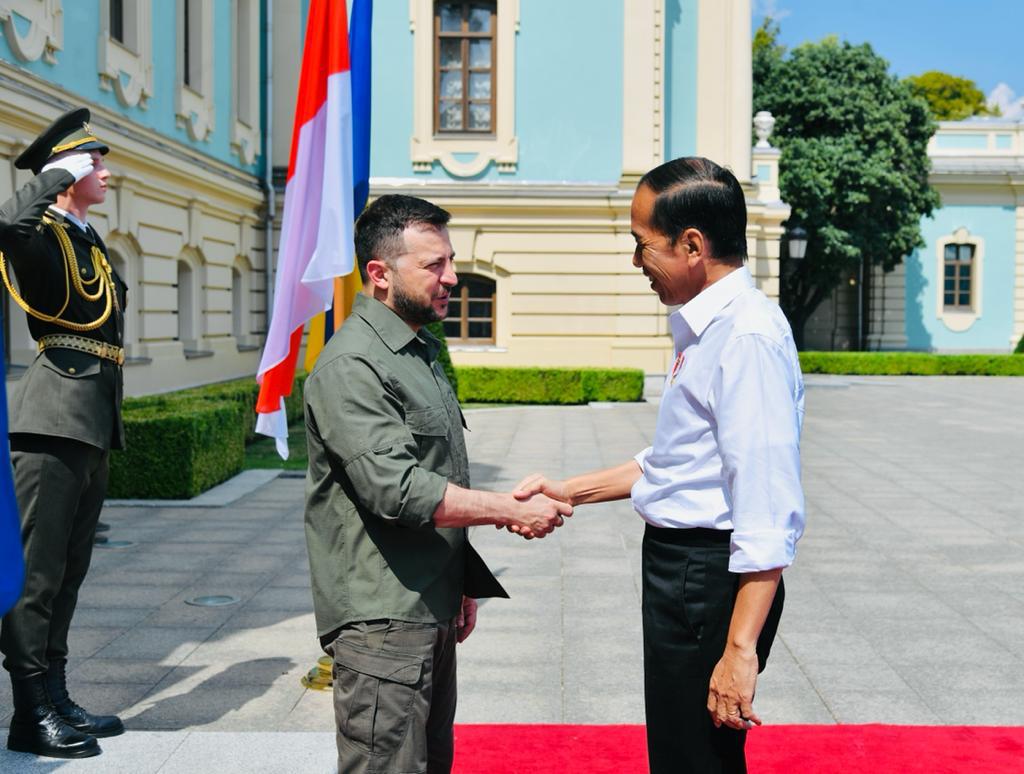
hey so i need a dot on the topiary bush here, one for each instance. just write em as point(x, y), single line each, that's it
point(177, 448)
point(1019, 349)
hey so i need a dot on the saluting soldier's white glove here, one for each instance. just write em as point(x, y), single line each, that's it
point(78, 164)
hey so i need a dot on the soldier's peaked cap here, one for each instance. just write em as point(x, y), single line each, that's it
point(69, 132)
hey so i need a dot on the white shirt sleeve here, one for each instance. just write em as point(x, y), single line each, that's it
point(641, 457)
point(754, 398)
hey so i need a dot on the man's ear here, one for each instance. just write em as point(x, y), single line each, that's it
point(378, 274)
point(692, 246)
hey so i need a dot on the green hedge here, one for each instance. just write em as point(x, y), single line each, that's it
point(910, 363)
point(557, 386)
point(177, 448)
point(181, 443)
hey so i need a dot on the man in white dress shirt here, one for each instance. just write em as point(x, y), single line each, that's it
point(720, 487)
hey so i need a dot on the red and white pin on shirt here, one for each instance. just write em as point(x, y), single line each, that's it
point(675, 368)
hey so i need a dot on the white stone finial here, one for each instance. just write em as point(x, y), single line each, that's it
point(764, 123)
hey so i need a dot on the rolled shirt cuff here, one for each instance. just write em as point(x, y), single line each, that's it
point(763, 549)
point(425, 493)
point(641, 457)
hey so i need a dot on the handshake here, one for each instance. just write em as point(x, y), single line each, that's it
point(540, 507)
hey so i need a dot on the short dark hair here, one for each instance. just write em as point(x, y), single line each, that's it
point(694, 192)
point(378, 233)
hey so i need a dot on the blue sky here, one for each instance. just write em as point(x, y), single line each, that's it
point(978, 39)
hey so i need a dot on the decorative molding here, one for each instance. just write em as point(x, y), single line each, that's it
point(193, 104)
point(426, 147)
point(958, 320)
point(45, 35)
point(245, 108)
point(127, 68)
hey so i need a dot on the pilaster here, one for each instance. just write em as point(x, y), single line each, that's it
point(643, 124)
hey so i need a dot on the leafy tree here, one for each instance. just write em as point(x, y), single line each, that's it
point(854, 165)
point(767, 53)
point(949, 97)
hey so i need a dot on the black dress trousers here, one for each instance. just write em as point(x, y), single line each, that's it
point(688, 599)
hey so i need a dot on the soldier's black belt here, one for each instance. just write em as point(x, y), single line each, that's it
point(81, 344)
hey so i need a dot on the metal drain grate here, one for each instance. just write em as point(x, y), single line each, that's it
point(212, 600)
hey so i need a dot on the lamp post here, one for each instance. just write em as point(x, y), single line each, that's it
point(797, 242)
point(796, 249)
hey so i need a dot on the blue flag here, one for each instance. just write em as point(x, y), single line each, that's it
point(12, 568)
point(359, 37)
point(359, 46)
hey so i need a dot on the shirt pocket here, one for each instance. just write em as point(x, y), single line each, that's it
point(431, 428)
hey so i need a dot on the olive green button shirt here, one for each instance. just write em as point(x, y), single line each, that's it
point(384, 432)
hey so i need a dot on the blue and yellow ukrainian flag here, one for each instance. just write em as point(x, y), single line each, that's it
point(324, 325)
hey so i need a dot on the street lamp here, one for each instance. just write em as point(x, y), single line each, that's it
point(797, 239)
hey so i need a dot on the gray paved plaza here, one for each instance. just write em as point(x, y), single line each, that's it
point(905, 605)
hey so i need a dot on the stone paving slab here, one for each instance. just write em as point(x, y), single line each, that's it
point(905, 605)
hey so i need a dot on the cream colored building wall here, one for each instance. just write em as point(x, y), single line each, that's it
point(560, 255)
point(724, 84)
point(1018, 289)
point(164, 203)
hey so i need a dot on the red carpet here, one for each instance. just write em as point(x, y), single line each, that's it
point(873, 749)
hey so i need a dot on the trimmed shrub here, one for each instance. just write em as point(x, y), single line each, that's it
point(910, 364)
point(177, 448)
point(551, 386)
point(241, 391)
point(623, 384)
point(1019, 349)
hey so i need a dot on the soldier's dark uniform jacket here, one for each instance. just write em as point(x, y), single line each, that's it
point(65, 392)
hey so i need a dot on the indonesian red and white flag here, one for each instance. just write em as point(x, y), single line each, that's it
point(316, 227)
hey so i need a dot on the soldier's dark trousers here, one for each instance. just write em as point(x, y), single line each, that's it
point(60, 485)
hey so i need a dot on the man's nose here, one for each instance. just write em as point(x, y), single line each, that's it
point(450, 278)
point(636, 257)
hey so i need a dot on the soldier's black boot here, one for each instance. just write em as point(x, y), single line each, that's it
point(37, 728)
point(75, 716)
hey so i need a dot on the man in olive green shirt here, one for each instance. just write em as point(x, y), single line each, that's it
point(388, 502)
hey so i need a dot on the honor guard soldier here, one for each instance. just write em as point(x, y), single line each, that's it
point(65, 418)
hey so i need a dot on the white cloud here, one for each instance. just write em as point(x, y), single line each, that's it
point(770, 8)
point(1010, 105)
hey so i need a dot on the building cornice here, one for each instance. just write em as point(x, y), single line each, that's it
point(147, 151)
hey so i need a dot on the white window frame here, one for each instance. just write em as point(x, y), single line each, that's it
point(502, 147)
point(241, 306)
point(959, 320)
point(193, 103)
point(45, 36)
point(245, 129)
point(127, 68)
point(128, 251)
point(191, 308)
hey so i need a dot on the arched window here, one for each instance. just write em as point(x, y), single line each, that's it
point(120, 266)
point(471, 311)
point(241, 306)
point(186, 306)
